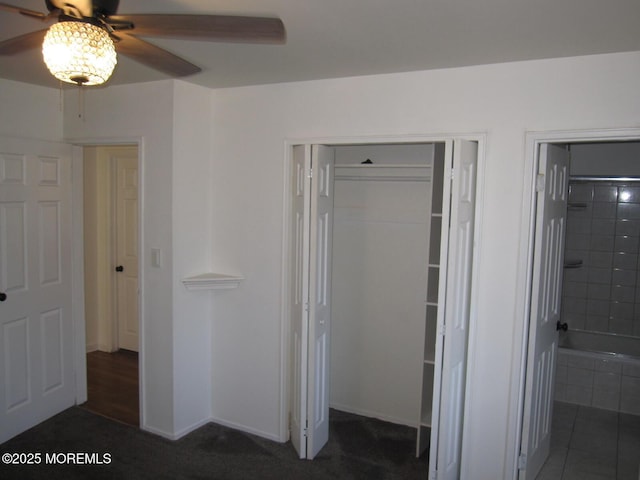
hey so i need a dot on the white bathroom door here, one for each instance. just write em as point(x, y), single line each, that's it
point(312, 225)
point(551, 210)
point(36, 330)
point(126, 251)
point(446, 438)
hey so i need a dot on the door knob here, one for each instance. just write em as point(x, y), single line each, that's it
point(119, 268)
point(3, 296)
point(562, 326)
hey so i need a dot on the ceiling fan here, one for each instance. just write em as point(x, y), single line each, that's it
point(94, 31)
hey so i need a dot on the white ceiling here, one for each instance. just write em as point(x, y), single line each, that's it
point(340, 38)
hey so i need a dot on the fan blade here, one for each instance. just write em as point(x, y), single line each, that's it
point(23, 42)
point(222, 28)
point(23, 11)
point(154, 57)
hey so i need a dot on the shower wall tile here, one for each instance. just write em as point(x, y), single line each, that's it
point(625, 244)
point(581, 192)
point(628, 210)
point(600, 259)
point(624, 277)
point(600, 275)
point(597, 323)
point(605, 226)
point(603, 230)
point(621, 293)
point(628, 227)
point(598, 307)
point(598, 292)
point(609, 366)
point(604, 210)
point(605, 193)
point(629, 194)
point(620, 326)
point(622, 310)
point(602, 243)
point(631, 370)
point(624, 260)
point(585, 363)
point(574, 305)
point(579, 225)
point(577, 241)
point(575, 289)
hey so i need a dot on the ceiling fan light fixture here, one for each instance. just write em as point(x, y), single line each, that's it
point(79, 53)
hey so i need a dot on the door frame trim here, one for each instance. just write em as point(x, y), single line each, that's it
point(77, 262)
point(285, 320)
point(533, 140)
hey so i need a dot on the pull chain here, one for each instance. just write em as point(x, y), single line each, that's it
point(80, 101)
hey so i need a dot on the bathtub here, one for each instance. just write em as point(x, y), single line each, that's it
point(608, 344)
point(599, 370)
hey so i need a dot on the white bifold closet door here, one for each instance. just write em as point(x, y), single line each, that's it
point(455, 281)
point(311, 303)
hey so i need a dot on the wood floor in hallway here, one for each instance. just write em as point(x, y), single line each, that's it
point(112, 385)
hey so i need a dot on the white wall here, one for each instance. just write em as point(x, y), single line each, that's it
point(168, 118)
point(30, 111)
point(131, 113)
point(191, 255)
point(249, 129)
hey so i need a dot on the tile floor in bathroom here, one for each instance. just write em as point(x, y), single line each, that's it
point(592, 444)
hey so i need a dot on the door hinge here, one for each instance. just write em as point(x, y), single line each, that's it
point(305, 429)
point(310, 173)
point(540, 182)
point(522, 462)
point(306, 306)
point(441, 329)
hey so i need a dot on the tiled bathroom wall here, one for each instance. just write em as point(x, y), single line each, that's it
point(607, 383)
point(601, 289)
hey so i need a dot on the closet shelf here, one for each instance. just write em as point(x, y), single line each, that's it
point(212, 281)
point(409, 173)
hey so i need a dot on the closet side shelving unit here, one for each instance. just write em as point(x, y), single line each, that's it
point(431, 303)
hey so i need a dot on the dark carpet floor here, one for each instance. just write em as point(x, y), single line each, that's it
point(358, 448)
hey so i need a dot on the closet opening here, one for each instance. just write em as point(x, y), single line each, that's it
point(366, 281)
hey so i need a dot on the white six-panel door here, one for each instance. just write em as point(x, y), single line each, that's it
point(548, 259)
point(126, 251)
point(37, 374)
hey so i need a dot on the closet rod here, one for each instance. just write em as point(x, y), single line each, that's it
point(382, 178)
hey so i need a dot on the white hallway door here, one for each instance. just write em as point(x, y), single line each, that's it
point(548, 259)
point(126, 247)
point(36, 329)
point(310, 297)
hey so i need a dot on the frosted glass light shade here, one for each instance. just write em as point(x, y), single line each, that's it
point(79, 52)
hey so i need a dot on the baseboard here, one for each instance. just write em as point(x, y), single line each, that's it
point(185, 431)
point(244, 428)
point(92, 347)
point(370, 414)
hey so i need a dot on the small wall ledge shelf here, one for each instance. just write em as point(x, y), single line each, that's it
point(212, 281)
